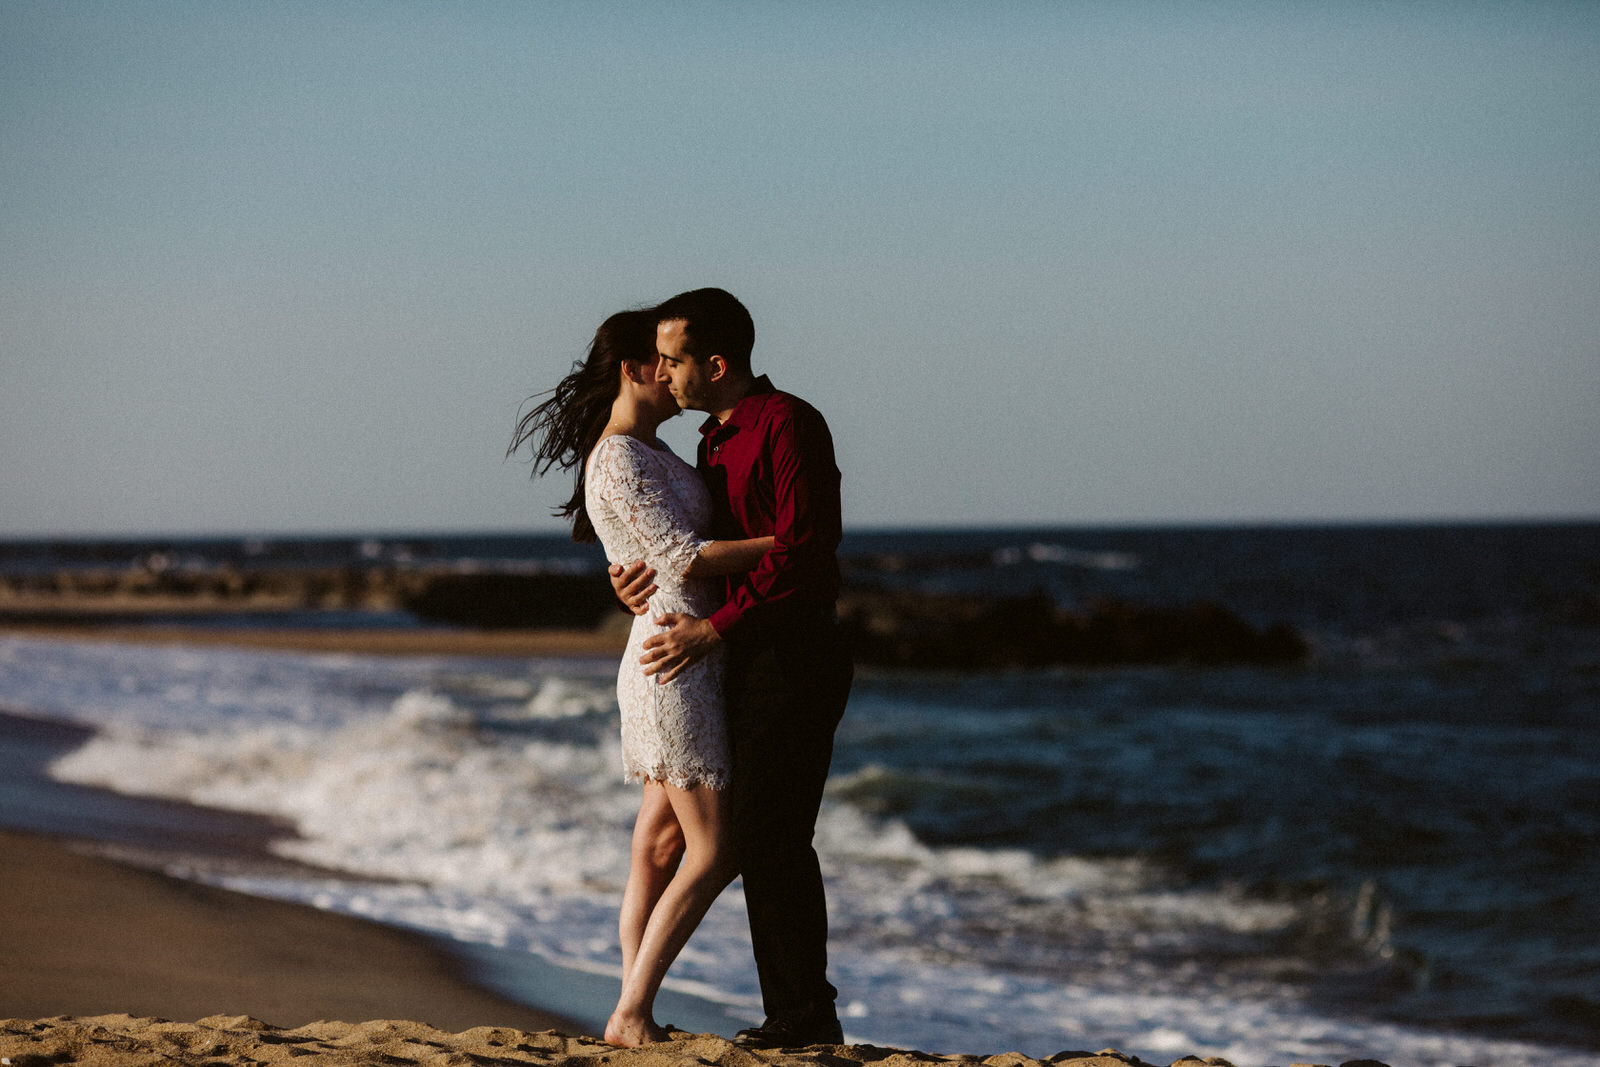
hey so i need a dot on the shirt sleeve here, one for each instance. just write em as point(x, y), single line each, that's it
point(806, 519)
point(622, 477)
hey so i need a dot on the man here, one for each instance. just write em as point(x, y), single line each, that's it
point(767, 457)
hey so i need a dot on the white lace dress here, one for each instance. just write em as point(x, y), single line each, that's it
point(648, 504)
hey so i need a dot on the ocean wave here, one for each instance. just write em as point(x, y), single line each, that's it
point(1045, 552)
point(485, 802)
point(521, 840)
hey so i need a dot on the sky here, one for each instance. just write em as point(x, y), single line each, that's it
point(275, 268)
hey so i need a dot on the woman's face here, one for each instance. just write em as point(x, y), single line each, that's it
point(657, 389)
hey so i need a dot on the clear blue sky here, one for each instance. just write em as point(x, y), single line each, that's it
point(291, 267)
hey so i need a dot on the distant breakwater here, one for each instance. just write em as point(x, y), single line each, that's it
point(889, 624)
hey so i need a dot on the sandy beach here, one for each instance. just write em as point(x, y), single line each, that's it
point(84, 936)
point(119, 1040)
point(108, 964)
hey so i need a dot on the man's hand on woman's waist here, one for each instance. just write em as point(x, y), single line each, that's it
point(686, 641)
point(634, 585)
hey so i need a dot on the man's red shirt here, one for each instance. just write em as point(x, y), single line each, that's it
point(770, 468)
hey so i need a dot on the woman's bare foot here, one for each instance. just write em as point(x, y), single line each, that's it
point(627, 1031)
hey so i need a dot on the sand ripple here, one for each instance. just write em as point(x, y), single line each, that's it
point(240, 1041)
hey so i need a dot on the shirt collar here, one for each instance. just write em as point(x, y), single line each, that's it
point(745, 411)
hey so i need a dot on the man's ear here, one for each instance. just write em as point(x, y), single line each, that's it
point(719, 367)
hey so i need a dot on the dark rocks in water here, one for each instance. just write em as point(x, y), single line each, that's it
point(512, 601)
point(902, 628)
point(899, 628)
point(485, 599)
point(148, 592)
point(890, 627)
point(1201, 632)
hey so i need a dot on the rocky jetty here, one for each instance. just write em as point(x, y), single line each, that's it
point(152, 590)
point(893, 627)
point(498, 601)
point(932, 630)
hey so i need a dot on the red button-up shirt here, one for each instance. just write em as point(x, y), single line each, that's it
point(771, 470)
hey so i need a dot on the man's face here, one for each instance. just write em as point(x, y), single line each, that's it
point(687, 378)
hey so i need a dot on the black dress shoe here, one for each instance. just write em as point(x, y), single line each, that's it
point(814, 1026)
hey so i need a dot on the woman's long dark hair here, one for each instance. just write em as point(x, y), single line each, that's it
point(565, 427)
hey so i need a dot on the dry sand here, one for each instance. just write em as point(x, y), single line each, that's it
point(223, 1041)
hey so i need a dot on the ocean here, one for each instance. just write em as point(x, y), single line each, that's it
point(1388, 850)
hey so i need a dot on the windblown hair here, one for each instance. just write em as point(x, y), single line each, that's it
point(715, 324)
point(564, 428)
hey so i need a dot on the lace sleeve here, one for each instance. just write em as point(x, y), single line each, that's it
point(623, 477)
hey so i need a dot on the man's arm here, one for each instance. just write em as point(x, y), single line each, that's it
point(729, 557)
point(634, 584)
point(806, 534)
point(689, 638)
point(806, 522)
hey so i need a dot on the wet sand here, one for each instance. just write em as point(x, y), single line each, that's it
point(85, 936)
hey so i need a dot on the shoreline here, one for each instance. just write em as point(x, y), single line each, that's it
point(128, 966)
point(95, 936)
point(179, 846)
point(97, 925)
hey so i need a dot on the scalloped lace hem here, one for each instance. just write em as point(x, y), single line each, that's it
point(718, 782)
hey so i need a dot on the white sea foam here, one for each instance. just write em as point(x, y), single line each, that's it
point(1039, 552)
point(486, 801)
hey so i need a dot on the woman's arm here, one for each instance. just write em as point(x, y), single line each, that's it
point(729, 557)
point(620, 478)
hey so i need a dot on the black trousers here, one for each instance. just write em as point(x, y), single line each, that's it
point(786, 693)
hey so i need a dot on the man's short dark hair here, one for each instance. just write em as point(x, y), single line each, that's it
point(715, 324)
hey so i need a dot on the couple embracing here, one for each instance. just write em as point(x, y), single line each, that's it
point(735, 675)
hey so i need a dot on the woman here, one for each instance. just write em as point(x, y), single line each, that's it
point(645, 503)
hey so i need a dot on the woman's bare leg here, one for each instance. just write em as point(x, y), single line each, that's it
point(657, 848)
point(706, 869)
